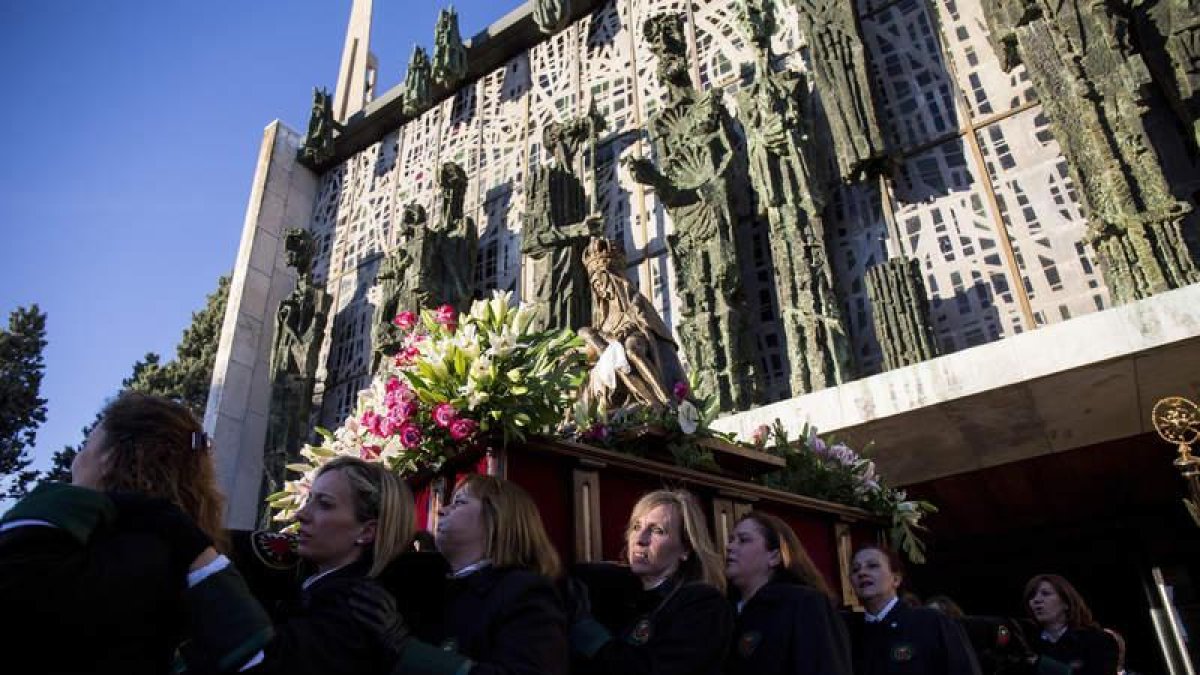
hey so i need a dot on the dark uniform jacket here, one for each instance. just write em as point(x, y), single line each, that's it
point(316, 631)
point(505, 620)
point(789, 628)
point(1085, 651)
point(911, 641)
point(678, 628)
point(90, 595)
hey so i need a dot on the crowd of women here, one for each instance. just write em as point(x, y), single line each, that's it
point(128, 570)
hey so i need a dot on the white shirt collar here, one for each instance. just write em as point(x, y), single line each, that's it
point(876, 618)
point(316, 577)
point(1054, 636)
point(470, 569)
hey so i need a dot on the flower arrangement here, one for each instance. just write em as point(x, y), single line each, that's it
point(836, 473)
point(455, 381)
point(685, 422)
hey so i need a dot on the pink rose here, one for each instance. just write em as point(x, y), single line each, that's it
point(681, 390)
point(405, 320)
point(463, 428)
point(370, 452)
point(410, 435)
point(444, 414)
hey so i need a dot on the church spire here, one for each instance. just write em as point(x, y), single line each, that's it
point(356, 76)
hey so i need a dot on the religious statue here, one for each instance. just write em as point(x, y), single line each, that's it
point(449, 54)
point(1169, 33)
point(690, 137)
point(448, 250)
point(416, 82)
point(397, 285)
point(1092, 88)
point(636, 364)
point(318, 143)
point(777, 119)
point(299, 326)
point(558, 225)
point(551, 16)
point(841, 82)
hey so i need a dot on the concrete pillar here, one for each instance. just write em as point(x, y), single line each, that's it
point(281, 197)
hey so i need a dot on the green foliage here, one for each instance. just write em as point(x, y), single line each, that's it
point(22, 410)
point(833, 472)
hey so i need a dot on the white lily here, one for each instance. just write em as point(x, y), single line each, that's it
point(689, 417)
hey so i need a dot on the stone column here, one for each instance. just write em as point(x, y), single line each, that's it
point(281, 197)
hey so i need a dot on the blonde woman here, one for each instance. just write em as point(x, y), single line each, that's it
point(501, 611)
point(357, 519)
point(675, 618)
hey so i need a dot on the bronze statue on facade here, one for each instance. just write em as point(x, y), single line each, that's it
point(1092, 88)
point(397, 286)
point(557, 226)
point(449, 249)
point(777, 117)
point(318, 142)
point(299, 330)
point(416, 82)
point(691, 142)
point(449, 54)
point(841, 82)
point(636, 361)
point(551, 16)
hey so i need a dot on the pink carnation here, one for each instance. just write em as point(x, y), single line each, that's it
point(760, 434)
point(681, 390)
point(444, 414)
point(386, 426)
point(463, 428)
point(394, 384)
point(405, 320)
point(410, 435)
point(403, 411)
point(446, 316)
point(371, 419)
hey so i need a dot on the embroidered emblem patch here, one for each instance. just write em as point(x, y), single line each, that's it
point(902, 653)
point(749, 642)
point(642, 632)
point(1002, 636)
point(275, 549)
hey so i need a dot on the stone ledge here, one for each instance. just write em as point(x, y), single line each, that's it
point(1072, 384)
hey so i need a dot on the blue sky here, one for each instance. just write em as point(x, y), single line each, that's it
point(131, 132)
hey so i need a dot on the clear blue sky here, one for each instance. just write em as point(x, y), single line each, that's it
point(131, 131)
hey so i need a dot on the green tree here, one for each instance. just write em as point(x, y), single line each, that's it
point(22, 410)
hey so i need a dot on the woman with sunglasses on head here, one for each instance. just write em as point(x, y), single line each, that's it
point(896, 639)
point(123, 559)
point(786, 621)
point(672, 616)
